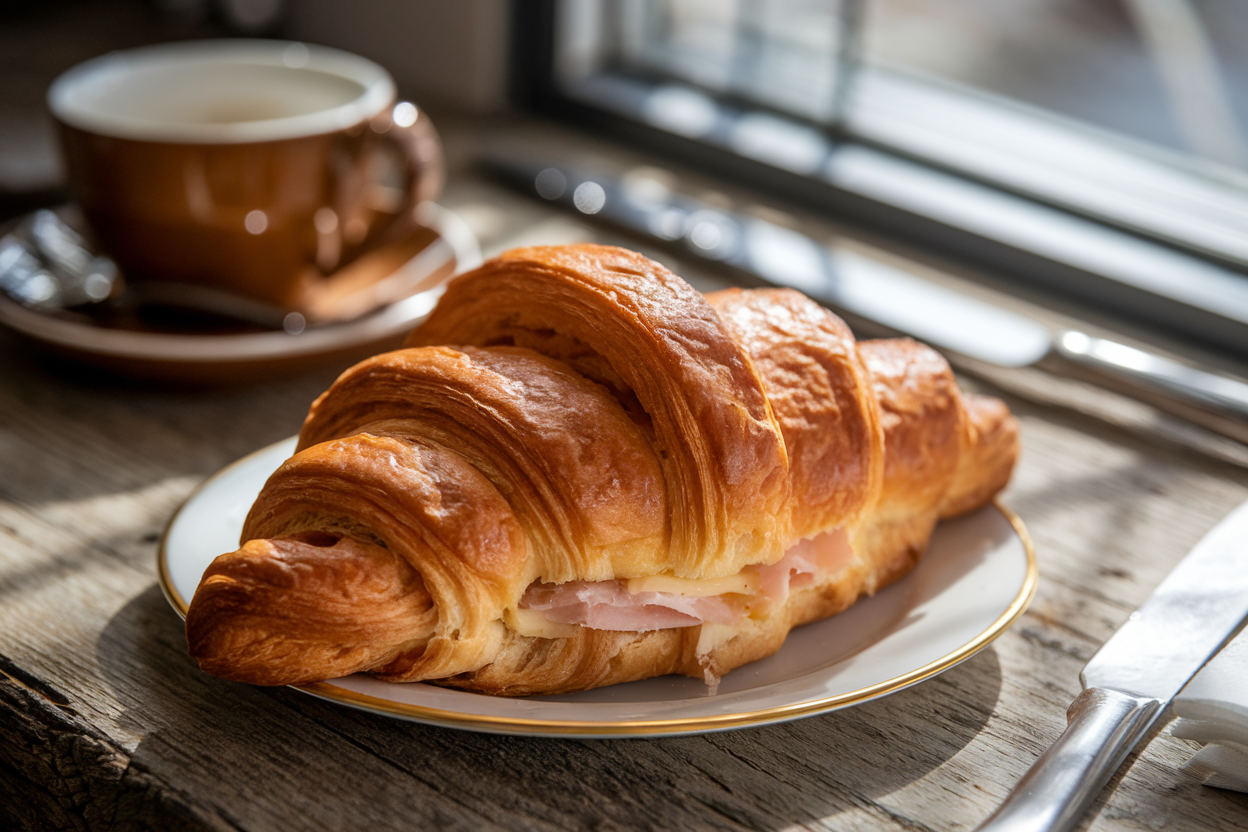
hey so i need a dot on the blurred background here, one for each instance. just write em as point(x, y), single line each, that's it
point(1152, 70)
point(1091, 152)
point(453, 54)
point(1156, 72)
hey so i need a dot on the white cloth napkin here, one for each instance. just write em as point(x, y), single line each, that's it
point(1213, 709)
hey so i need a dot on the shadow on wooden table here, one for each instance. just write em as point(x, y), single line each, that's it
point(274, 758)
point(136, 434)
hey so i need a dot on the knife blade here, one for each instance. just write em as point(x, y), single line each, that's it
point(877, 296)
point(1133, 678)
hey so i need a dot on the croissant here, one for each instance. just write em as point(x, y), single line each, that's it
point(609, 477)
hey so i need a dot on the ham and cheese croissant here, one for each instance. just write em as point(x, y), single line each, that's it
point(581, 471)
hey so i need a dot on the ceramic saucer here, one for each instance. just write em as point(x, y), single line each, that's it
point(443, 246)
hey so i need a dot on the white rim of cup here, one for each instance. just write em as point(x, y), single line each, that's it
point(379, 90)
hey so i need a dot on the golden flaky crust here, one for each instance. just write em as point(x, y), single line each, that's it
point(820, 391)
point(941, 458)
point(596, 419)
point(629, 324)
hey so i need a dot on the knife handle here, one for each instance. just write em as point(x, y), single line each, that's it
point(1217, 402)
point(1104, 726)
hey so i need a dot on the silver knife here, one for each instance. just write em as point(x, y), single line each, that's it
point(1133, 678)
point(885, 297)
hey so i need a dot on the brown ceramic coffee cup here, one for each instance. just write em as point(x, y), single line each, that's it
point(248, 167)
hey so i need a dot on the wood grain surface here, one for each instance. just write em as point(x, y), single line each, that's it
point(106, 723)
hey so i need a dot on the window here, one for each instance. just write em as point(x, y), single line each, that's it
point(1092, 149)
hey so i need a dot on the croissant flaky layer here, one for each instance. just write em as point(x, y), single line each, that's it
point(581, 471)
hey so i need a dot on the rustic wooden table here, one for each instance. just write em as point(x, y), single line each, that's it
point(106, 723)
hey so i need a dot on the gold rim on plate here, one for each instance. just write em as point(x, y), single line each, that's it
point(636, 728)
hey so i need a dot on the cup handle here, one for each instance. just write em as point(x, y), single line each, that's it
point(411, 131)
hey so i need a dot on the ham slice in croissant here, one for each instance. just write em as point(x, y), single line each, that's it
point(580, 472)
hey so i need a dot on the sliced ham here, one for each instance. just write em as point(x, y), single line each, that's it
point(608, 605)
point(803, 562)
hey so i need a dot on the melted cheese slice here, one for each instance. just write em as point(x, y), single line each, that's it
point(743, 583)
point(535, 624)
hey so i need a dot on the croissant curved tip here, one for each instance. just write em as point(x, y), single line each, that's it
point(290, 611)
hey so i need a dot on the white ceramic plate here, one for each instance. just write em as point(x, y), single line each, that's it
point(976, 579)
